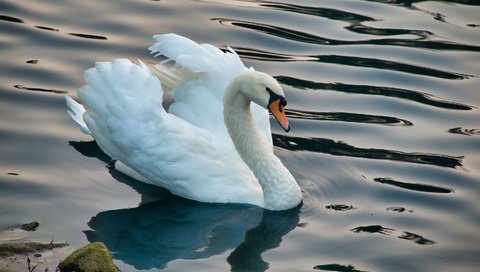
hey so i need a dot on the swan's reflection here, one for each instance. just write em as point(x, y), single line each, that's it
point(266, 235)
point(153, 234)
point(165, 227)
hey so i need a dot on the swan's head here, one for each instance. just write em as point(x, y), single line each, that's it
point(266, 92)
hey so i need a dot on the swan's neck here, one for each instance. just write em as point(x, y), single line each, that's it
point(280, 190)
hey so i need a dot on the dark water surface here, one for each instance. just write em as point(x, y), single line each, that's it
point(384, 101)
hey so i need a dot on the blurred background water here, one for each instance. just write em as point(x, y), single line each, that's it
point(383, 103)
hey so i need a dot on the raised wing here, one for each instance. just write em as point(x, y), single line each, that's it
point(199, 99)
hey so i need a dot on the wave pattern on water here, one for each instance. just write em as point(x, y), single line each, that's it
point(35, 89)
point(399, 209)
point(465, 131)
point(381, 64)
point(304, 37)
point(47, 28)
point(10, 19)
point(340, 207)
point(332, 147)
point(329, 13)
point(406, 235)
point(337, 267)
point(88, 36)
point(411, 95)
point(414, 186)
point(79, 35)
point(409, 3)
point(347, 117)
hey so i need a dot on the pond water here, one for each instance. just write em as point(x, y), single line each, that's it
point(385, 142)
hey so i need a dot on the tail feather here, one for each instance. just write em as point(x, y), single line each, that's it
point(76, 111)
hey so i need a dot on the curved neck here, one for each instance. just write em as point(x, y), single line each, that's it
point(280, 190)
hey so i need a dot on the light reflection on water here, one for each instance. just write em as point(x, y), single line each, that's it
point(383, 102)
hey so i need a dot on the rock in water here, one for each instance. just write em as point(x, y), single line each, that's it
point(93, 257)
point(32, 226)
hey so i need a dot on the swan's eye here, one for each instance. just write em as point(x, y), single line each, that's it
point(275, 97)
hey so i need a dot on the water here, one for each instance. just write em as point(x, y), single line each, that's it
point(385, 140)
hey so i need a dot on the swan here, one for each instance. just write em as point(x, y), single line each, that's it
point(211, 145)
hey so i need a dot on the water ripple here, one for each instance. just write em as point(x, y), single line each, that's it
point(88, 36)
point(262, 55)
point(79, 35)
point(332, 14)
point(277, 31)
point(389, 65)
point(354, 61)
point(411, 95)
point(21, 87)
point(328, 146)
point(337, 267)
point(347, 117)
point(409, 3)
point(414, 186)
point(362, 29)
point(399, 209)
point(373, 229)
point(406, 235)
point(10, 19)
point(465, 131)
point(340, 207)
point(329, 13)
point(300, 36)
point(47, 28)
point(417, 239)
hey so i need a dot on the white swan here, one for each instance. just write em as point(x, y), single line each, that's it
point(212, 145)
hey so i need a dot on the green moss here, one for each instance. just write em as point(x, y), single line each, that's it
point(93, 257)
point(10, 249)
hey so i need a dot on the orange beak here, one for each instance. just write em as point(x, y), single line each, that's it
point(278, 111)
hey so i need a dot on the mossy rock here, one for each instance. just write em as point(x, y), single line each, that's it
point(93, 257)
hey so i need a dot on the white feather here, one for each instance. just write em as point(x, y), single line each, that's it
point(76, 111)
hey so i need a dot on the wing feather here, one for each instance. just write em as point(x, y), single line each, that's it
point(199, 100)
